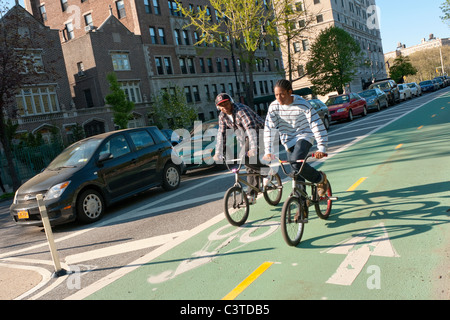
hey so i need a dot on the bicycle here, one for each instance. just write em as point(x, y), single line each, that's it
point(294, 213)
point(235, 200)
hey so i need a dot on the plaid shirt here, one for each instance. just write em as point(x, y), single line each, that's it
point(246, 123)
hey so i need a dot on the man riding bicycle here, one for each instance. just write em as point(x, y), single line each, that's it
point(246, 123)
point(298, 125)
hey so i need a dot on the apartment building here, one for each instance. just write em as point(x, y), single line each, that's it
point(354, 16)
point(146, 43)
point(424, 44)
point(42, 103)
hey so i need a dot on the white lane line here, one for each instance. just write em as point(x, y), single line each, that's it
point(122, 248)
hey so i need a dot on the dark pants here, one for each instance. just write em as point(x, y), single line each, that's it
point(299, 152)
point(253, 165)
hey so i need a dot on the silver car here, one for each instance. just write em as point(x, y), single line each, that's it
point(375, 98)
point(322, 110)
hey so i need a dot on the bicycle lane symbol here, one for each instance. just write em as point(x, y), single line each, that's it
point(221, 241)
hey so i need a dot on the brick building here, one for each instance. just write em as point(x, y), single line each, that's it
point(146, 43)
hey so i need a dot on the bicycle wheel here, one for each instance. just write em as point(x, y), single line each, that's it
point(292, 221)
point(236, 206)
point(323, 207)
point(274, 190)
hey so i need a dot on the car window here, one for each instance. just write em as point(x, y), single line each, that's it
point(337, 100)
point(117, 146)
point(158, 134)
point(141, 139)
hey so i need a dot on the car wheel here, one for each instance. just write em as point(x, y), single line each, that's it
point(90, 206)
point(171, 177)
point(350, 115)
point(326, 123)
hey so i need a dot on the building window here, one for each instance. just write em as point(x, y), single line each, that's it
point(319, 18)
point(37, 100)
point(88, 20)
point(153, 38)
point(156, 7)
point(173, 8)
point(190, 63)
point(32, 61)
point(202, 65)
point(64, 5)
point(69, 34)
point(187, 92)
point(168, 65)
point(176, 33)
point(121, 9)
point(219, 65)
point(186, 37)
point(210, 65)
point(196, 93)
point(183, 66)
point(227, 65)
point(296, 47)
point(88, 98)
point(305, 44)
point(159, 66)
point(43, 13)
point(148, 8)
point(120, 61)
point(162, 36)
point(132, 90)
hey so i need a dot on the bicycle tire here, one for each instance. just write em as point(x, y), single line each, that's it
point(274, 191)
point(323, 207)
point(236, 206)
point(291, 229)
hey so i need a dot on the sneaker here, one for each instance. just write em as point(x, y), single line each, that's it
point(322, 187)
point(251, 199)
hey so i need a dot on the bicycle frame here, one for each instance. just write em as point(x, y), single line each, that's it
point(239, 176)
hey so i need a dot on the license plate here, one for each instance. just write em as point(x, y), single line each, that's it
point(23, 214)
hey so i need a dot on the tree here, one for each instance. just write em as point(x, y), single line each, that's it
point(445, 7)
point(401, 68)
point(240, 24)
point(172, 110)
point(292, 23)
point(335, 56)
point(121, 107)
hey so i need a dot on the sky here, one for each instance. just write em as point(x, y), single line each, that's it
point(405, 21)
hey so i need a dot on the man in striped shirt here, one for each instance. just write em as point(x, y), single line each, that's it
point(298, 125)
point(245, 123)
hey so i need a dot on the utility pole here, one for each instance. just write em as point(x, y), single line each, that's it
point(442, 61)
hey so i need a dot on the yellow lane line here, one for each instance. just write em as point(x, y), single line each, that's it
point(419, 127)
point(399, 146)
point(247, 281)
point(356, 184)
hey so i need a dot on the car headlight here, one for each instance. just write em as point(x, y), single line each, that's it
point(341, 110)
point(56, 191)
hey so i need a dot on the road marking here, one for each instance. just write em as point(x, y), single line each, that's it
point(122, 248)
point(399, 146)
point(433, 116)
point(247, 281)
point(356, 184)
point(419, 127)
point(358, 250)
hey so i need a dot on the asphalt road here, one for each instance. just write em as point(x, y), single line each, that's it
point(168, 224)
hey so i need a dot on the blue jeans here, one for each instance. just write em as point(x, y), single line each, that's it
point(299, 152)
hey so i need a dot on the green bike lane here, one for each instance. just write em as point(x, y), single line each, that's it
point(387, 236)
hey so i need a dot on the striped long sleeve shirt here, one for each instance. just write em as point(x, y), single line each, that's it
point(243, 119)
point(294, 122)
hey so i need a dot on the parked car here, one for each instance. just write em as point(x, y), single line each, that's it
point(427, 86)
point(441, 82)
point(390, 88)
point(375, 98)
point(95, 172)
point(415, 89)
point(437, 86)
point(322, 110)
point(172, 136)
point(346, 106)
point(405, 92)
point(199, 150)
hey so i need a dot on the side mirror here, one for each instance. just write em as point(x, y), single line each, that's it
point(103, 157)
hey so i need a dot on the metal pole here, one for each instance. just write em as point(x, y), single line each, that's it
point(442, 62)
point(51, 241)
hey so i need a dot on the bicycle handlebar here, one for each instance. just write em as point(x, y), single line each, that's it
point(282, 162)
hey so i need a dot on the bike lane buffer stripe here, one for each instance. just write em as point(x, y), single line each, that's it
point(247, 281)
point(356, 184)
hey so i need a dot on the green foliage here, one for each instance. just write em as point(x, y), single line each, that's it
point(335, 57)
point(445, 7)
point(172, 110)
point(121, 107)
point(401, 68)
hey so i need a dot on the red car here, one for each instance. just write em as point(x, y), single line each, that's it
point(346, 106)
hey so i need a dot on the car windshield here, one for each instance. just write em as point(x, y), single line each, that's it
point(400, 86)
point(78, 154)
point(411, 85)
point(367, 93)
point(425, 82)
point(337, 100)
point(382, 85)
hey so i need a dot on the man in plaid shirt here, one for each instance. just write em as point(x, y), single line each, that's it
point(246, 125)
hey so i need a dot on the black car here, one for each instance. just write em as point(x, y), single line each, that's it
point(427, 86)
point(390, 88)
point(95, 172)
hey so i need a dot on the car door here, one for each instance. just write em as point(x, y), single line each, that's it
point(118, 171)
point(147, 153)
